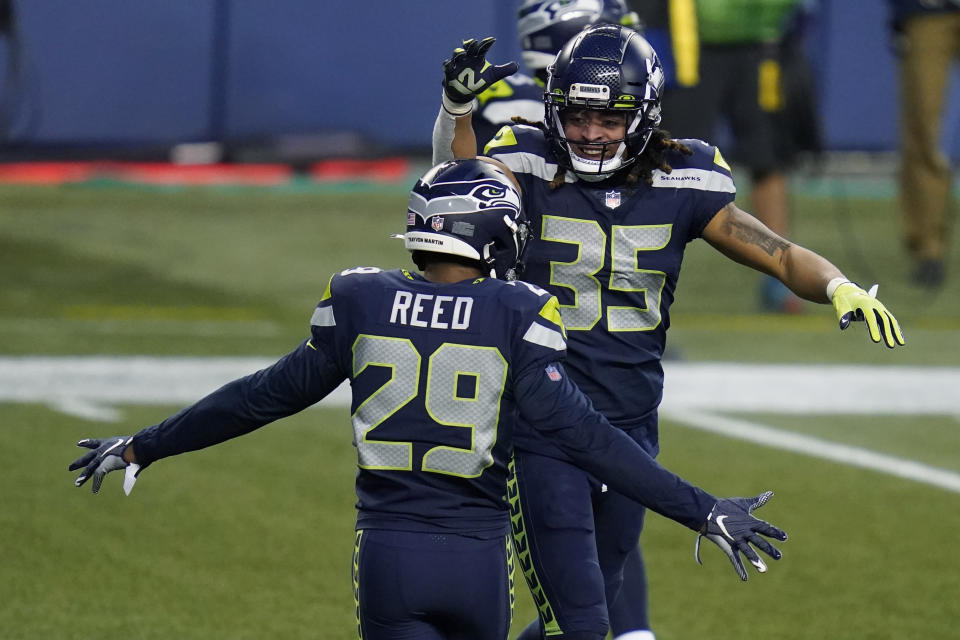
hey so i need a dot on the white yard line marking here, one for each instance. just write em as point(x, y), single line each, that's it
point(809, 388)
point(90, 387)
point(832, 389)
point(817, 448)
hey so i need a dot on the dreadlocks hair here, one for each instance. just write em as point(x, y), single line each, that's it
point(651, 158)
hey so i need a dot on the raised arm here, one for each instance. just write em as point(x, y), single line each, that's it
point(466, 75)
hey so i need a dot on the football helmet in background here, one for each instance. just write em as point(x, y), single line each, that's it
point(544, 27)
point(468, 208)
point(609, 68)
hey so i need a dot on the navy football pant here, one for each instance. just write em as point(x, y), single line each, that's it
point(629, 611)
point(571, 540)
point(428, 586)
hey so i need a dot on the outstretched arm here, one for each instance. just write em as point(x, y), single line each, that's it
point(555, 406)
point(296, 381)
point(743, 238)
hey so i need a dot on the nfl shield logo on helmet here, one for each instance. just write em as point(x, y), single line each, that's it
point(612, 199)
point(437, 223)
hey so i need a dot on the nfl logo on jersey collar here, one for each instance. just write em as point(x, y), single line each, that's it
point(612, 199)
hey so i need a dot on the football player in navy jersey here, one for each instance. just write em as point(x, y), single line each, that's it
point(441, 366)
point(613, 201)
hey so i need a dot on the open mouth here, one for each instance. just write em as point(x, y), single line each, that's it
point(594, 152)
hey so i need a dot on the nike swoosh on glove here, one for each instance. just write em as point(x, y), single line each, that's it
point(105, 456)
point(731, 526)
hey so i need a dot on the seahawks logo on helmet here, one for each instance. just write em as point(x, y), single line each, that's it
point(463, 198)
point(468, 208)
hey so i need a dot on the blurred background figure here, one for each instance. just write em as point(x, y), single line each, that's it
point(16, 110)
point(741, 62)
point(927, 38)
point(543, 28)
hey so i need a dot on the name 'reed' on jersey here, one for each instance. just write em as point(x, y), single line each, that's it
point(432, 408)
point(611, 255)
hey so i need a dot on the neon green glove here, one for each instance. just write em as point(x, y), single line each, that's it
point(853, 304)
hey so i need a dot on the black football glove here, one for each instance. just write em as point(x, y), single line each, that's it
point(467, 74)
point(106, 456)
point(731, 527)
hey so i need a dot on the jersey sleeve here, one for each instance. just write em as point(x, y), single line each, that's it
point(323, 323)
point(541, 337)
point(553, 405)
point(296, 381)
point(704, 175)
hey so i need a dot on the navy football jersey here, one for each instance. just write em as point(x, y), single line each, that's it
point(612, 257)
point(440, 374)
point(516, 95)
point(431, 368)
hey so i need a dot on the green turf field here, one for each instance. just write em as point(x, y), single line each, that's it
point(253, 539)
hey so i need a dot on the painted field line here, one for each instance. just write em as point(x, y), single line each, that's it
point(782, 388)
point(91, 387)
point(815, 447)
point(812, 388)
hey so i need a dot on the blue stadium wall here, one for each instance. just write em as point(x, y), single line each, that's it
point(146, 72)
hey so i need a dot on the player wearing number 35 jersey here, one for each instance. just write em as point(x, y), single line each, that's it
point(612, 202)
point(441, 366)
point(611, 254)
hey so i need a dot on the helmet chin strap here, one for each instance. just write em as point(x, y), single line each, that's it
point(488, 260)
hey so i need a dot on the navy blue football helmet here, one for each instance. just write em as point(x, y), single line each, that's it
point(544, 26)
point(608, 68)
point(468, 208)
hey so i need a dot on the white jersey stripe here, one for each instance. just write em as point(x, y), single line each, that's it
point(323, 317)
point(545, 337)
point(700, 179)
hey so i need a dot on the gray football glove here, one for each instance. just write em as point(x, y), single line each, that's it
point(731, 527)
point(467, 74)
point(106, 456)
